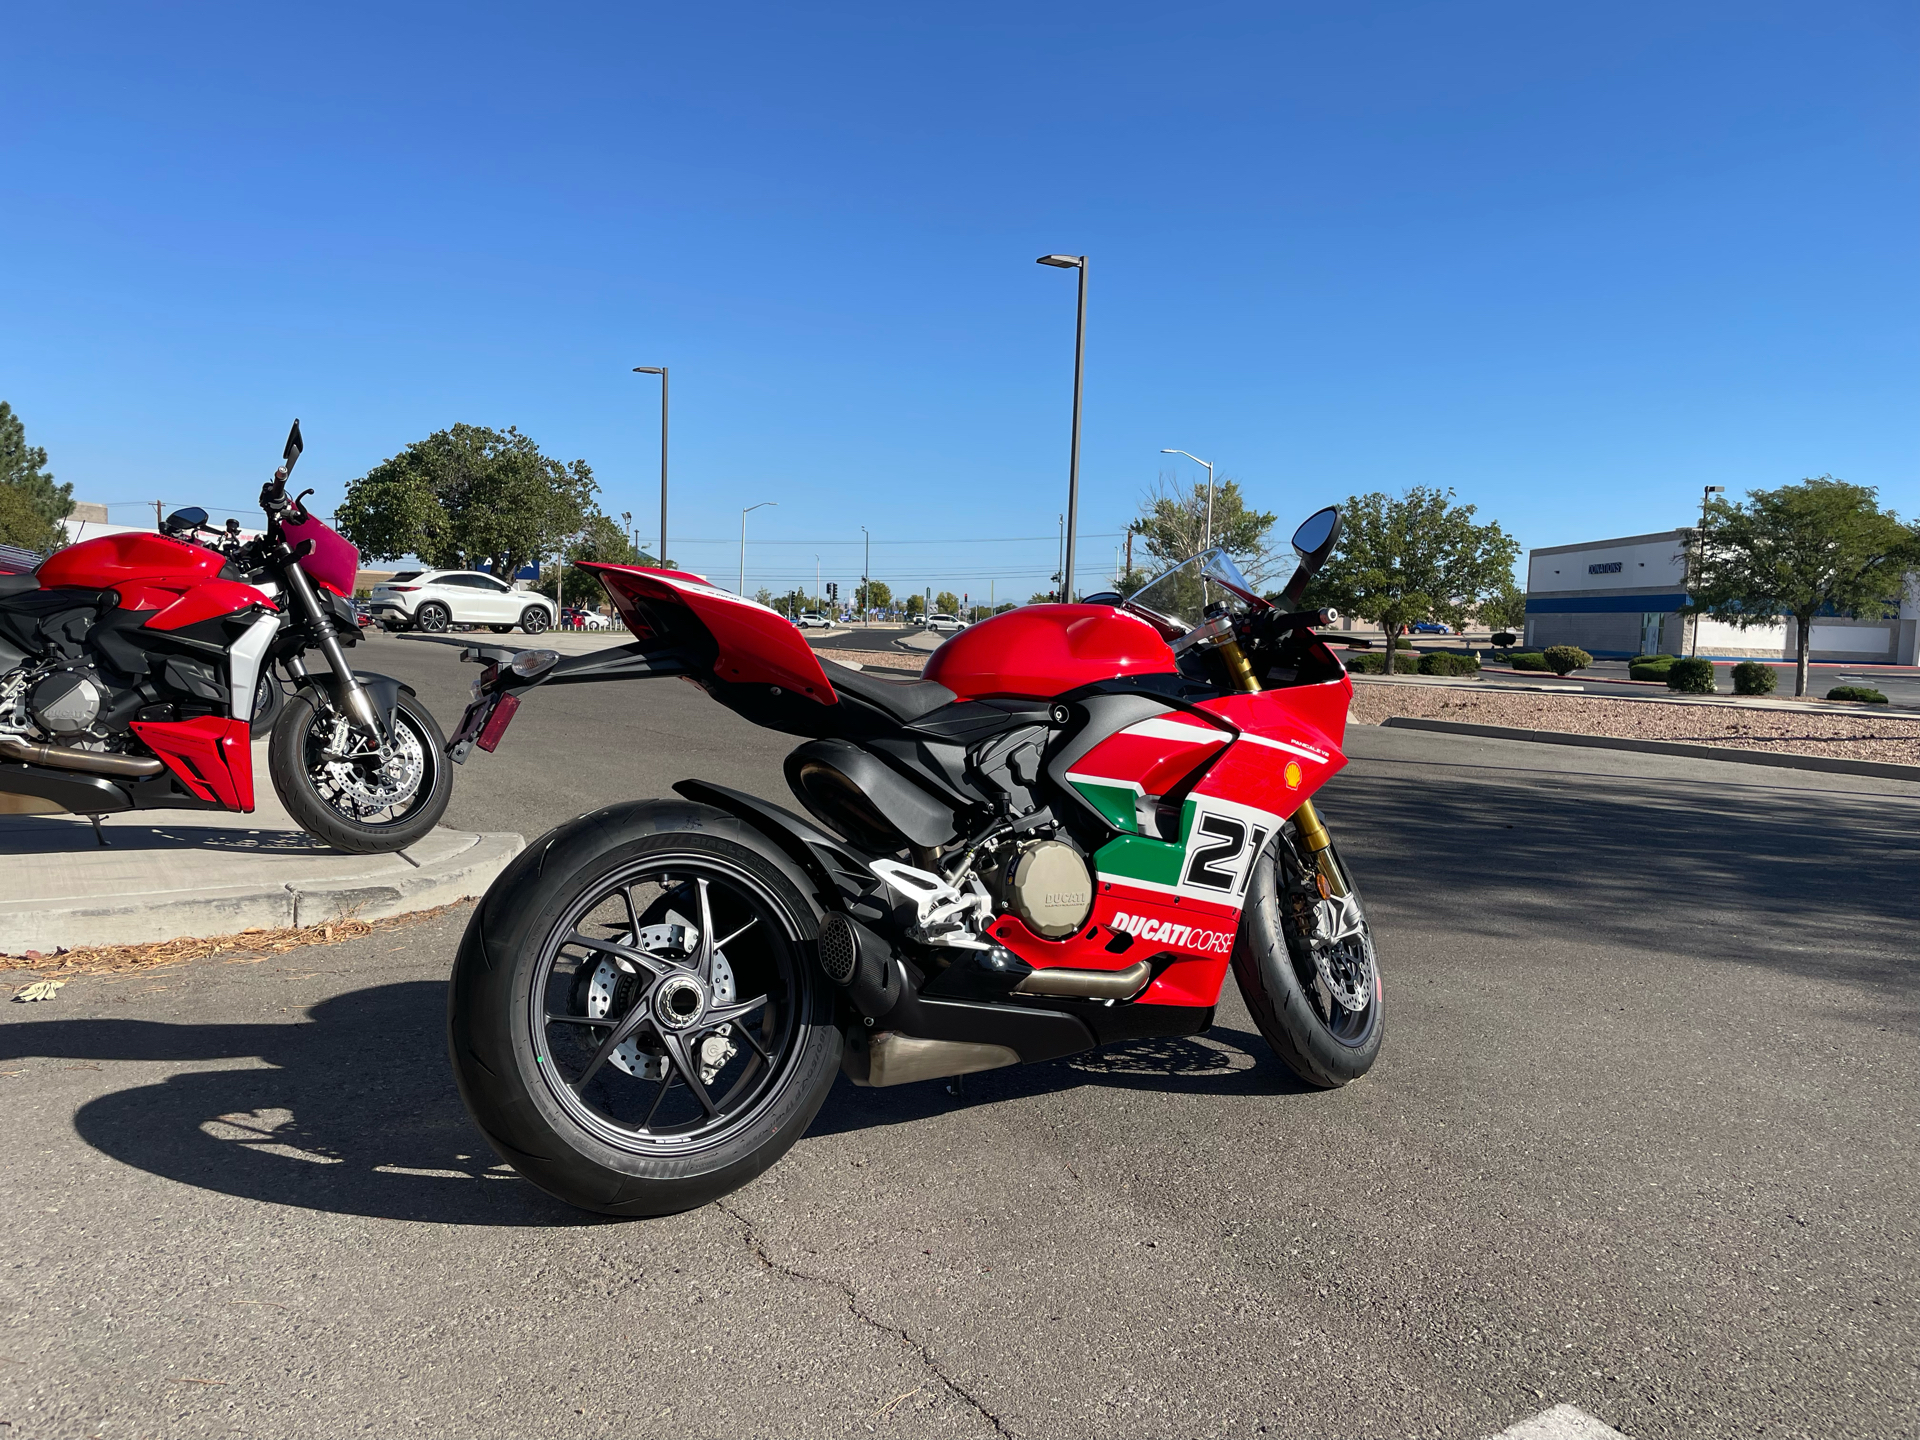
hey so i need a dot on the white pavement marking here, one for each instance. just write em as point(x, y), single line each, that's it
point(1562, 1422)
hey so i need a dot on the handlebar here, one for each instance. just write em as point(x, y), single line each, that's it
point(1276, 622)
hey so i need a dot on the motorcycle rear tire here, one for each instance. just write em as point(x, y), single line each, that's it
point(287, 762)
point(493, 1048)
point(1269, 964)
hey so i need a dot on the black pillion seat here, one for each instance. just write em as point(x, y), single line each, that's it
point(903, 699)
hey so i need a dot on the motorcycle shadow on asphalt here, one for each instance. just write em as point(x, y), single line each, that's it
point(354, 1111)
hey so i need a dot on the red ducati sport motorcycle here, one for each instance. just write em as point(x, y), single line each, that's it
point(1062, 837)
point(136, 668)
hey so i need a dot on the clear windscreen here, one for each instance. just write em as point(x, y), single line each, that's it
point(1178, 600)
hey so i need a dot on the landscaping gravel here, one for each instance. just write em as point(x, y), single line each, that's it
point(1868, 736)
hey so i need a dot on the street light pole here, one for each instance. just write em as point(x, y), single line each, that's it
point(1073, 262)
point(1209, 464)
point(866, 580)
point(1706, 497)
point(743, 541)
point(661, 371)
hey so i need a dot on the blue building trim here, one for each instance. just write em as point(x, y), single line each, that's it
point(1605, 605)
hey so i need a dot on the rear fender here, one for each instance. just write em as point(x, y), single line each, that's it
point(837, 872)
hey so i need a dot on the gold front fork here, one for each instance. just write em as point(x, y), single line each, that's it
point(1306, 819)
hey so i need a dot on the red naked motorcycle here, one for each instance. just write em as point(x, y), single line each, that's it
point(1060, 838)
point(136, 668)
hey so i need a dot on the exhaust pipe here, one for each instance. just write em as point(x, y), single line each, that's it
point(861, 963)
point(891, 1058)
point(1088, 984)
point(61, 757)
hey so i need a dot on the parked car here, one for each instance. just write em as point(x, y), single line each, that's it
point(944, 624)
point(363, 613)
point(436, 600)
point(813, 620)
point(1430, 627)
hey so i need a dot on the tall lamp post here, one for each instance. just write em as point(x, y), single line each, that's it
point(1073, 262)
point(1706, 498)
point(1209, 464)
point(743, 541)
point(866, 580)
point(661, 371)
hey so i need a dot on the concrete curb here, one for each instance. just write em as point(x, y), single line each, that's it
point(1780, 760)
point(378, 891)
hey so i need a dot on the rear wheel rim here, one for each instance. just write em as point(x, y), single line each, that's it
point(640, 978)
point(433, 619)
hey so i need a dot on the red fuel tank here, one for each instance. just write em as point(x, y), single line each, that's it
point(1042, 650)
point(134, 557)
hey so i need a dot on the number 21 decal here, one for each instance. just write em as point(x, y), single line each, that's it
point(1222, 853)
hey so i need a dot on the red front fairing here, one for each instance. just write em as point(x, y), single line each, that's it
point(211, 755)
point(1175, 878)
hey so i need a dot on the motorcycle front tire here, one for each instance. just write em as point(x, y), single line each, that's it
point(1273, 964)
point(289, 762)
point(497, 1058)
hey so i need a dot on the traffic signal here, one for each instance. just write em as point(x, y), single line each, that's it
point(833, 590)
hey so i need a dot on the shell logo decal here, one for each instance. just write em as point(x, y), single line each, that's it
point(1291, 774)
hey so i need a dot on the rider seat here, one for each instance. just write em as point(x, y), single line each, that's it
point(903, 700)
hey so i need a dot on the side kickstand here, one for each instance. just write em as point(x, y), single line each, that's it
point(99, 835)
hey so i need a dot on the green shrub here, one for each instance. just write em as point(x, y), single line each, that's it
point(1533, 661)
point(1565, 659)
point(1750, 677)
point(1691, 677)
point(1444, 662)
point(1661, 660)
point(1377, 664)
point(1650, 667)
point(1866, 694)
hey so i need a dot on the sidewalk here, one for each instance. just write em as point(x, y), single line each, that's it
point(169, 873)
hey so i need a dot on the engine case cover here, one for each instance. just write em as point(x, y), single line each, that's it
point(1046, 883)
point(66, 702)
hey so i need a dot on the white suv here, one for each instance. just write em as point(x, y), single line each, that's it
point(433, 600)
point(813, 620)
point(943, 624)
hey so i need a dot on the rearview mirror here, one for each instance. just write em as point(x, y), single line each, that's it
point(294, 447)
point(191, 518)
point(1315, 538)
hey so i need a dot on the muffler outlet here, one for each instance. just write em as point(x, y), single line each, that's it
point(891, 1058)
point(860, 963)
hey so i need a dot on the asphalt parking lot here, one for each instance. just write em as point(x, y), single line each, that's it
point(1641, 1140)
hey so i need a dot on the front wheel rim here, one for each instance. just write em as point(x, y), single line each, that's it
point(1326, 970)
point(638, 980)
point(345, 770)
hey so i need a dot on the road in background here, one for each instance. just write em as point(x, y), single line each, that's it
point(1640, 1140)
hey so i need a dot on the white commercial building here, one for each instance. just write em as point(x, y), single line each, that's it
point(1620, 597)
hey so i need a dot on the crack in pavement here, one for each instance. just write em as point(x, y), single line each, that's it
point(847, 1292)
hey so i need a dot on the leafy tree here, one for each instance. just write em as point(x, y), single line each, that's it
point(1173, 524)
point(947, 603)
point(916, 605)
point(1820, 547)
point(1043, 597)
point(469, 497)
point(1506, 610)
point(764, 596)
point(1414, 557)
point(31, 505)
point(874, 595)
point(599, 539)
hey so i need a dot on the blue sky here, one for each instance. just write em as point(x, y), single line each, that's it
point(1575, 262)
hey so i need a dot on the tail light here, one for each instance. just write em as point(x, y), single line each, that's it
point(399, 589)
